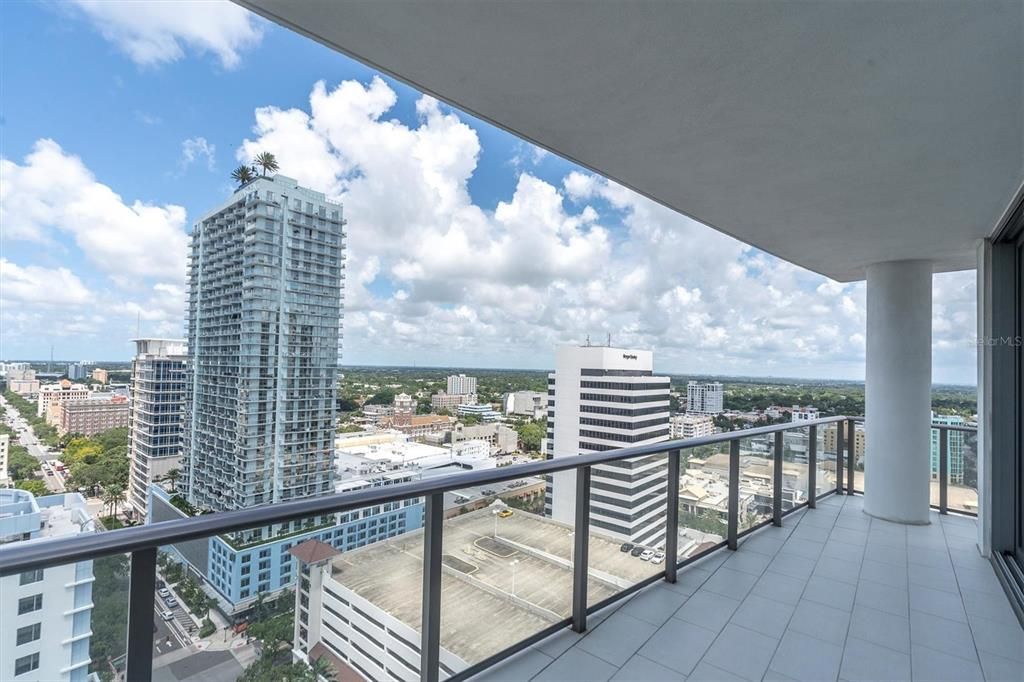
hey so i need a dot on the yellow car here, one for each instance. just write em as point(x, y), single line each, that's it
point(505, 513)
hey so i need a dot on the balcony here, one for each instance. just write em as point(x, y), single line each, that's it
point(778, 574)
point(832, 594)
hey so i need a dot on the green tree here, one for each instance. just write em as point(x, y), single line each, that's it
point(113, 497)
point(172, 477)
point(242, 175)
point(267, 161)
point(110, 613)
point(385, 397)
point(20, 464)
point(267, 668)
point(530, 435)
point(274, 633)
point(32, 485)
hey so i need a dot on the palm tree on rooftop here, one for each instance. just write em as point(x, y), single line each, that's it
point(243, 174)
point(267, 161)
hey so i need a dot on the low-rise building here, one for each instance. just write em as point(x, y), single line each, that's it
point(404, 404)
point(376, 413)
point(5, 450)
point(26, 388)
point(532, 404)
point(46, 613)
point(803, 414)
point(92, 415)
point(237, 574)
point(691, 426)
point(829, 438)
point(420, 425)
point(6, 368)
point(451, 401)
point(484, 412)
point(101, 375)
point(502, 438)
point(51, 395)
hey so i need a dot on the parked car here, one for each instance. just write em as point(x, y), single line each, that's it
point(164, 593)
point(171, 602)
point(626, 547)
point(647, 555)
point(658, 557)
point(637, 551)
point(504, 513)
point(167, 615)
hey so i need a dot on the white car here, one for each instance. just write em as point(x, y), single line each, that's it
point(658, 557)
point(164, 592)
point(647, 554)
point(167, 615)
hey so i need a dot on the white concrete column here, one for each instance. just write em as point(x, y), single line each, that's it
point(898, 391)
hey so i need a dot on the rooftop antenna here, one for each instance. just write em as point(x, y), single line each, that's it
point(588, 341)
point(609, 339)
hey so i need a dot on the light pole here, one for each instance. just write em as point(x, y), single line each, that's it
point(572, 543)
point(513, 565)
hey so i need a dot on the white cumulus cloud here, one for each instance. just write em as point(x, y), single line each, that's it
point(196, 149)
point(35, 285)
point(53, 192)
point(159, 31)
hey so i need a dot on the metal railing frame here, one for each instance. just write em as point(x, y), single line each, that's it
point(143, 542)
point(943, 506)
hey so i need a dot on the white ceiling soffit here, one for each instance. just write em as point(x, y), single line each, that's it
point(833, 134)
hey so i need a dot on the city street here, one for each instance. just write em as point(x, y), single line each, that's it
point(53, 479)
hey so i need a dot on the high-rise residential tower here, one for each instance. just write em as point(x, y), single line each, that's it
point(704, 398)
point(602, 398)
point(155, 405)
point(957, 442)
point(460, 384)
point(264, 320)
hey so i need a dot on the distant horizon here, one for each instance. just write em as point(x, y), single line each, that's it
point(464, 369)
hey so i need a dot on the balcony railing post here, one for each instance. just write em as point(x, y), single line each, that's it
point(141, 594)
point(812, 467)
point(839, 457)
point(943, 470)
point(734, 492)
point(430, 639)
point(581, 538)
point(777, 482)
point(851, 452)
point(672, 518)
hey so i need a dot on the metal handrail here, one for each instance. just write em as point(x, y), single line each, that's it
point(22, 556)
point(143, 542)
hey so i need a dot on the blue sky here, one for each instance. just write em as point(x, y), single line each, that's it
point(468, 246)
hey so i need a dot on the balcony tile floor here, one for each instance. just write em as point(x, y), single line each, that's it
point(832, 595)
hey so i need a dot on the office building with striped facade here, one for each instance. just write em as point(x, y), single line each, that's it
point(602, 398)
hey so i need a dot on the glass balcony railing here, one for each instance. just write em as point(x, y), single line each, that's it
point(954, 464)
point(412, 580)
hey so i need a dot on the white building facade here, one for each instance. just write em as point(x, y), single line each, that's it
point(692, 426)
point(45, 614)
point(603, 399)
point(460, 384)
point(51, 395)
point(704, 397)
point(156, 402)
point(804, 414)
